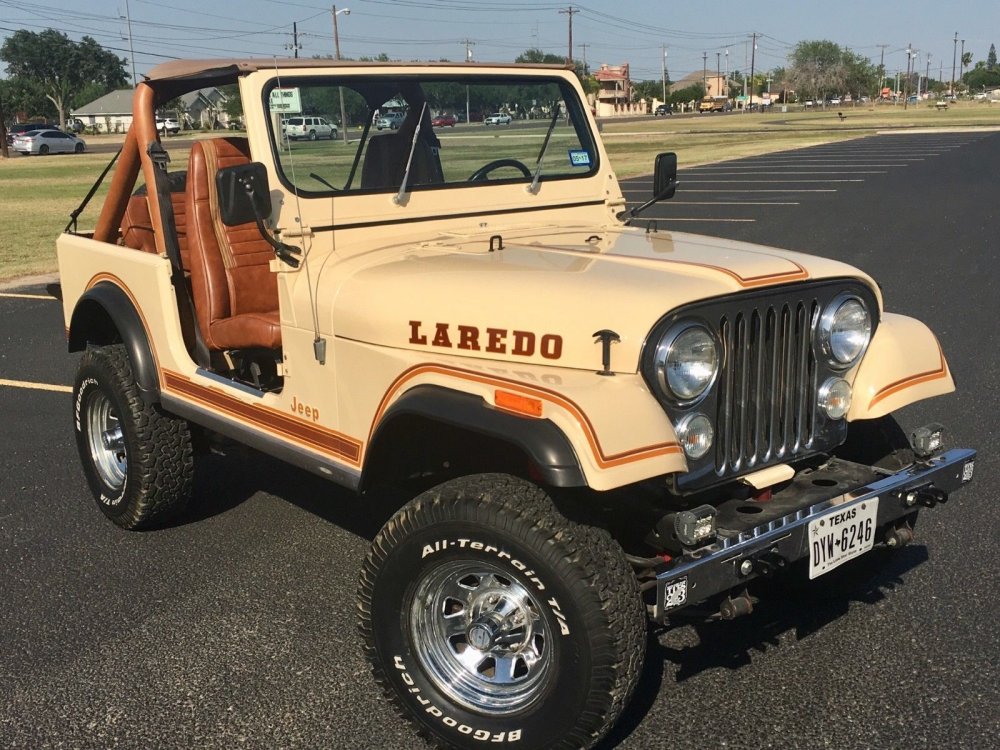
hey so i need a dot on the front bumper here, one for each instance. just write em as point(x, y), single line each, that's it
point(738, 557)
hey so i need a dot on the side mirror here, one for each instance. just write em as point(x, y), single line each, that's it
point(665, 176)
point(244, 197)
point(243, 193)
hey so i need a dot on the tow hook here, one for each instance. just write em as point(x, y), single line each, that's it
point(736, 606)
point(899, 536)
point(769, 562)
point(927, 496)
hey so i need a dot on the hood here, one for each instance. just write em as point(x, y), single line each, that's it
point(543, 296)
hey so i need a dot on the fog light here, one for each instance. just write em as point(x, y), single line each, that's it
point(695, 433)
point(835, 398)
point(927, 440)
point(695, 525)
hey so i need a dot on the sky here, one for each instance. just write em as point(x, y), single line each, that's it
point(626, 31)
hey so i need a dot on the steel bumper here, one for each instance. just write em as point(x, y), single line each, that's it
point(732, 561)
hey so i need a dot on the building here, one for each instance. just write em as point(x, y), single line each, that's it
point(112, 113)
point(614, 98)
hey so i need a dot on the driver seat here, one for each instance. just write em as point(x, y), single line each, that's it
point(235, 291)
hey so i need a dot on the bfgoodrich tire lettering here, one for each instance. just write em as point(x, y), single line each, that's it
point(499, 543)
point(138, 460)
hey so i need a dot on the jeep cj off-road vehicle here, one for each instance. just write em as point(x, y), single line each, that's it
point(598, 422)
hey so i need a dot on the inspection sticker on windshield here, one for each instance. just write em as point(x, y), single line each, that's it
point(579, 157)
point(841, 536)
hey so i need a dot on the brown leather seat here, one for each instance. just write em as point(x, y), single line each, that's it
point(137, 226)
point(235, 292)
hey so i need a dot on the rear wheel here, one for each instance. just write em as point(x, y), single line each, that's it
point(490, 618)
point(138, 460)
point(312, 135)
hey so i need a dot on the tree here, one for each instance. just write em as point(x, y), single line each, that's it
point(991, 58)
point(692, 93)
point(966, 59)
point(61, 67)
point(818, 69)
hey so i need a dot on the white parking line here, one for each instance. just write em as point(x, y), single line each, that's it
point(35, 386)
point(674, 218)
point(723, 203)
point(851, 171)
point(14, 295)
point(741, 182)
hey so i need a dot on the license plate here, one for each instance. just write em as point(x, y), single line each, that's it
point(841, 536)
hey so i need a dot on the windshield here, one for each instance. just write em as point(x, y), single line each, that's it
point(497, 129)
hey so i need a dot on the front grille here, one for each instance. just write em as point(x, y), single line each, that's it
point(767, 384)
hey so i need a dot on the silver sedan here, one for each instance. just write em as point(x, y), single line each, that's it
point(48, 142)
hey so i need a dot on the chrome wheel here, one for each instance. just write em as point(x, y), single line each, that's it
point(107, 442)
point(480, 637)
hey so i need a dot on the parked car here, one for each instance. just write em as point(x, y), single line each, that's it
point(167, 126)
point(497, 118)
point(309, 127)
point(442, 121)
point(663, 109)
point(390, 121)
point(48, 142)
point(24, 127)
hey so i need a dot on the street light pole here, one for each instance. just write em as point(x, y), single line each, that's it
point(954, 51)
point(336, 46)
point(664, 74)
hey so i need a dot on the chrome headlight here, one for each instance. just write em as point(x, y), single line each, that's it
point(687, 361)
point(845, 328)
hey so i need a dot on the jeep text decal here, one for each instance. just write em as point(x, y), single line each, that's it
point(494, 340)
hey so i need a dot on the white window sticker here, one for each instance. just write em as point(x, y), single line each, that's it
point(579, 158)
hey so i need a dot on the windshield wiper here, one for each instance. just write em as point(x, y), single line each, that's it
point(533, 188)
point(401, 195)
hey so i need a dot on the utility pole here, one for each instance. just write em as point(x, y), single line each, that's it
point(961, 63)
point(469, 44)
point(927, 76)
point(664, 74)
point(718, 73)
point(727, 73)
point(295, 39)
point(336, 46)
point(906, 81)
point(131, 52)
point(954, 51)
point(753, 59)
point(570, 11)
point(704, 71)
point(881, 68)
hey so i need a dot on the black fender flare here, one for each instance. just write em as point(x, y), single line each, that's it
point(105, 310)
point(544, 443)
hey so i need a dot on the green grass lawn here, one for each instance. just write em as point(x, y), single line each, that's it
point(37, 194)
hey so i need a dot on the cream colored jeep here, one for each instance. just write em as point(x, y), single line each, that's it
point(598, 423)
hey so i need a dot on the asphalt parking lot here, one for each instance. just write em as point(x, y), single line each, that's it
point(235, 627)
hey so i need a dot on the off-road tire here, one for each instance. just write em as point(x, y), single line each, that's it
point(588, 602)
point(147, 478)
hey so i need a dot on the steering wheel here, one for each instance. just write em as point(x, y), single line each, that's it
point(480, 174)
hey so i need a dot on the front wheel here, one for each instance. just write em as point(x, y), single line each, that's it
point(490, 618)
point(138, 460)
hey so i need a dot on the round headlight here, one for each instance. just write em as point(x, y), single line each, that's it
point(695, 433)
point(845, 330)
point(687, 363)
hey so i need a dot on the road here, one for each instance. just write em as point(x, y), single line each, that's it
point(235, 627)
